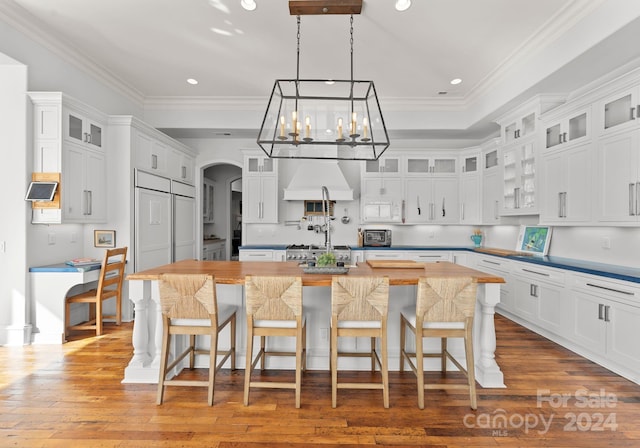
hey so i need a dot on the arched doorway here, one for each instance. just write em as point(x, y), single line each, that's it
point(221, 208)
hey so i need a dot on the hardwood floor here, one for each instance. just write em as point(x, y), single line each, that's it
point(71, 395)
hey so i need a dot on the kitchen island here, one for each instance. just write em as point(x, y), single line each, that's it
point(147, 331)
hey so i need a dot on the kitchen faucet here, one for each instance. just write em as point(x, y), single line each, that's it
point(325, 209)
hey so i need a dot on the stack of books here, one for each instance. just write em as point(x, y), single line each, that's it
point(78, 262)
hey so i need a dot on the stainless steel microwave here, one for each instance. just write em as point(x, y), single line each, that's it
point(377, 238)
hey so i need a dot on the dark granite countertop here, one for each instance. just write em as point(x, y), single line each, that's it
point(624, 273)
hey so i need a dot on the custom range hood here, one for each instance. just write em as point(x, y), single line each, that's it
point(311, 175)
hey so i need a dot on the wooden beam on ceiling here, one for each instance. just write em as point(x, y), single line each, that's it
point(322, 7)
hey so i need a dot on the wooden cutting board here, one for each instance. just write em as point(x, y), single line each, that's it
point(502, 252)
point(396, 264)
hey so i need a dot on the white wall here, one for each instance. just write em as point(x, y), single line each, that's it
point(13, 169)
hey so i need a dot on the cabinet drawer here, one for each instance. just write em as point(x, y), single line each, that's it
point(539, 273)
point(428, 256)
point(493, 264)
point(613, 289)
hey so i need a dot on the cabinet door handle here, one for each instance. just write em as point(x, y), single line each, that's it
point(633, 110)
point(632, 201)
point(184, 172)
point(606, 313)
point(492, 262)
point(533, 290)
point(629, 293)
point(560, 204)
point(154, 161)
point(536, 272)
point(495, 209)
point(637, 198)
point(85, 196)
point(90, 197)
point(600, 311)
point(462, 211)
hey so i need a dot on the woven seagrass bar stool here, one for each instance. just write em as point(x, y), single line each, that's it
point(359, 307)
point(445, 308)
point(190, 307)
point(274, 308)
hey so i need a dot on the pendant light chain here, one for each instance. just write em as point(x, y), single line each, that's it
point(297, 68)
point(351, 43)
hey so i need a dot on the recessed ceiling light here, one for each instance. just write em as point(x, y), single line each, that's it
point(192, 81)
point(330, 82)
point(456, 81)
point(403, 5)
point(249, 5)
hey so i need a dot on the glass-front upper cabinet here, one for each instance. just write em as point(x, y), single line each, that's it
point(388, 164)
point(80, 129)
point(259, 164)
point(567, 128)
point(432, 164)
point(619, 111)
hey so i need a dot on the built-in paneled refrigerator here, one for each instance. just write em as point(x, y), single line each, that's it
point(165, 217)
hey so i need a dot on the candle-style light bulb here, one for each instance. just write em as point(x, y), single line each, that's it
point(294, 121)
point(307, 130)
point(282, 126)
point(340, 128)
point(365, 125)
point(354, 117)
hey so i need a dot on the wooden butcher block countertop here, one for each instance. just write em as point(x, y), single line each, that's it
point(234, 272)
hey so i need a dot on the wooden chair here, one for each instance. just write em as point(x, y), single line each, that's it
point(109, 286)
point(190, 307)
point(274, 308)
point(445, 308)
point(359, 307)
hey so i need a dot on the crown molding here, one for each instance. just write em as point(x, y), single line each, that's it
point(565, 19)
point(30, 26)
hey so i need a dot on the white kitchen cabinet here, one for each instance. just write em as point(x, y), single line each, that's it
point(84, 197)
point(434, 164)
point(80, 161)
point(207, 201)
point(260, 190)
point(214, 251)
point(564, 129)
point(565, 189)
point(470, 193)
point(381, 199)
point(539, 297)
point(260, 199)
point(491, 186)
point(181, 166)
point(519, 178)
point(384, 255)
point(431, 200)
point(385, 164)
point(259, 165)
point(255, 255)
point(605, 315)
point(82, 129)
point(618, 178)
point(619, 111)
point(157, 153)
point(428, 256)
point(150, 154)
point(502, 267)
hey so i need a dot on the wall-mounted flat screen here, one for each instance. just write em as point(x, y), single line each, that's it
point(41, 191)
point(534, 240)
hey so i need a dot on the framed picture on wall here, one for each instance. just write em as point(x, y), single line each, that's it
point(104, 238)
